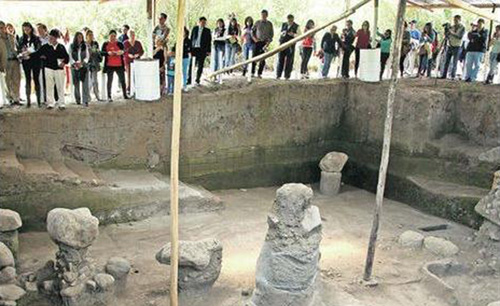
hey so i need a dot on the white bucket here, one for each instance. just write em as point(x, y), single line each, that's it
point(147, 80)
point(369, 65)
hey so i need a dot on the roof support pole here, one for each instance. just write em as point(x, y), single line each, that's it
point(375, 20)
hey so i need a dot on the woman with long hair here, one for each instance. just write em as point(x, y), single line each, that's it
point(308, 46)
point(28, 46)
point(113, 51)
point(219, 44)
point(186, 58)
point(95, 59)
point(363, 39)
point(233, 33)
point(427, 48)
point(79, 59)
point(247, 41)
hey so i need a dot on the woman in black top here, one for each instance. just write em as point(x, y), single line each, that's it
point(233, 34)
point(186, 58)
point(29, 46)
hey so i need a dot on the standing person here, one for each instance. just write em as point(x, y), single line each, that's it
point(414, 44)
point(385, 49)
point(124, 37)
point(476, 48)
point(186, 58)
point(453, 36)
point(494, 55)
point(161, 31)
point(3, 65)
point(113, 51)
point(56, 58)
point(308, 46)
point(171, 71)
point(363, 38)
point(289, 31)
point(263, 33)
point(348, 37)
point(29, 46)
point(428, 46)
point(94, 66)
point(11, 66)
point(201, 39)
point(406, 49)
point(133, 51)
point(219, 40)
point(248, 41)
point(330, 48)
point(159, 54)
point(232, 46)
point(79, 60)
point(67, 42)
point(43, 34)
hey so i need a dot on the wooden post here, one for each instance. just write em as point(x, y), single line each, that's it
point(174, 157)
point(396, 52)
point(292, 42)
point(491, 24)
point(375, 21)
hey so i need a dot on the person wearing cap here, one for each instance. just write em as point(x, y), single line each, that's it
point(113, 52)
point(124, 37)
point(289, 30)
point(476, 49)
point(263, 33)
point(415, 36)
point(11, 64)
point(55, 58)
point(454, 40)
point(494, 55)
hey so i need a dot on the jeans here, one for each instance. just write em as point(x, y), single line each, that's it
point(473, 63)
point(32, 72)
point(306, 56)
point(383, 61)
point(231, 54)
point(285, 62)
point(425, 66)
point(327, 63)
point(219, 57)
point(186, 63)
point(493, 65)
point(346, 61)
point(452, 52)
point(121, 77)
point(171, 80)
point(259, 49)
point(94, 83)
point(81, 82)
point(246, 53)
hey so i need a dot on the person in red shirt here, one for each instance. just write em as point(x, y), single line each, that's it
point(308, 46)
point(113, 52)
point(363, 40)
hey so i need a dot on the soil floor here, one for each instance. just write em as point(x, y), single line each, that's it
point(242, 226)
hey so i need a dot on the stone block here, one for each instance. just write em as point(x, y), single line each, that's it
point(330, 183)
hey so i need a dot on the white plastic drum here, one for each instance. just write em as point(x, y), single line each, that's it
point(369, 65)
point(147, 80)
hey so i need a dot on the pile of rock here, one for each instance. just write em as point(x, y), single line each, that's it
point(10, 222)
point(9, 291)
point(436, 245)
point(73, 279)
point(331, 172)
point(489, 208)
point(288, 265)
point(200, 264)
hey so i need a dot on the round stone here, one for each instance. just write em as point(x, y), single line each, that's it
point(76, 228)
point(6, 257)
point(9, 220)
point(118, 267)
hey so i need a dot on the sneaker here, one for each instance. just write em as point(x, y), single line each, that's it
point(62, 107)
point(110, 100)
point(49, 106)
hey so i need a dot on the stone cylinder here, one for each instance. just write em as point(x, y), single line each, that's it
point(330, 183)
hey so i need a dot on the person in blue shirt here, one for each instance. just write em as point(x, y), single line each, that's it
point(415, 36)
point(171, 71)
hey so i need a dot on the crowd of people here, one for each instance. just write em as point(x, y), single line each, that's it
point(51, 60)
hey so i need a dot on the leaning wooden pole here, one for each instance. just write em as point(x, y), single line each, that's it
point(396, 52)
point(174, 156)
point(473, 9)
point(292, 42)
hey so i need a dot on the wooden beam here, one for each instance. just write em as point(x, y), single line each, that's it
point(475, 10)
point(174, 156)
point(386, 147)
point(292, 42)
point(419, 5)
point(447, 5)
